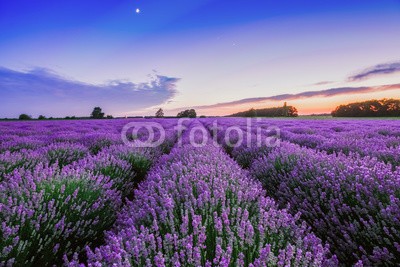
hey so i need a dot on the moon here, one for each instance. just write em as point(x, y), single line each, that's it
point(137, 10)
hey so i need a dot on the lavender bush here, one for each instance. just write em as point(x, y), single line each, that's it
point(95, 142)
point(120, 171)
point(46, 213)
point(140, 159)
point(351, 202)
point(20, 143)
point(63, 153)
point(198, 208)
point(25, 159)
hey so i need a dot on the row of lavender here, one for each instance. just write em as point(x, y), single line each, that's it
point(93, 134)
point(62, 184)
point(374, 138)
point(350, 199)
point(197, 207)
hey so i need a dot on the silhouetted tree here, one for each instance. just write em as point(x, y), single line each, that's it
point(70, 118)
point(41, 117)
point(189, 113)
point(97, 114)
point(25, 117)
point(251, 113)
point(109, 117)
point(285, 111)
point(291, 111)
point(160, 113)
point(370, 108)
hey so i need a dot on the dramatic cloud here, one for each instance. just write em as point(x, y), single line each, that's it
point(39, 91)
point(380, 69)
point(321, 93)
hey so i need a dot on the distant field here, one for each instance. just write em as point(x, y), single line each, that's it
point(308, 117)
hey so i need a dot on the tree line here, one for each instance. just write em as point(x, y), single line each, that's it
point(188, 113)
point(370, 108)
point(97, 113)
point(285, 111)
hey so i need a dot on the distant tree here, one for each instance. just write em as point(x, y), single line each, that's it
point(252, 113)
point(203, 116)
point(70, 118)
point(189, 113)
point(25, 117)
point(97, 114)
point(160, 113)
point(285, 111)
point(41, 117)
point(192, 113)
point(370, 108)
point(291, 112)
point(109, 117)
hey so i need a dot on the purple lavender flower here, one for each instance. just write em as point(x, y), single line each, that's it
point(349, 201)
point(210, 201)
point(47, 213)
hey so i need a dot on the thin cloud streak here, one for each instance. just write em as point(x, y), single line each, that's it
point(308, 94)
point(380, 69)
point(40, 91)
point(323, 83)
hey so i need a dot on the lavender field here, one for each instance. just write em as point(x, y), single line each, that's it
point(210, 192)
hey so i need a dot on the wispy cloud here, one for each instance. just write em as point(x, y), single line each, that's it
point(308, 94)
point(40, 91)
point(323, 83)
point(380, 69)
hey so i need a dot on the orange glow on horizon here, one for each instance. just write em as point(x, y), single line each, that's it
point(306, 106)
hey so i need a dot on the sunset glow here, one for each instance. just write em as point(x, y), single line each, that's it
point(207, 52)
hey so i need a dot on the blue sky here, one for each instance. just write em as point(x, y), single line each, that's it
point(60, 58)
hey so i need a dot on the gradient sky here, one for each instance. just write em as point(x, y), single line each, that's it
point(60, 58)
